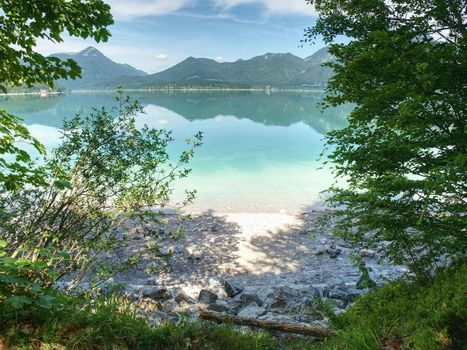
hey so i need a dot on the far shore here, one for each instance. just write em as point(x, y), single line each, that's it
point(181, 89)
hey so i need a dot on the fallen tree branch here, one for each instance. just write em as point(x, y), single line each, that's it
point(318, 332)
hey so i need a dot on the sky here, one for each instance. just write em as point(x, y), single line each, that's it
point(154, 35)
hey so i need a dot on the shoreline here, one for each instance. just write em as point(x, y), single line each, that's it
point(168, 90)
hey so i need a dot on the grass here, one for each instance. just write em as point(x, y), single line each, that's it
point(404, 315)
point(399, 315)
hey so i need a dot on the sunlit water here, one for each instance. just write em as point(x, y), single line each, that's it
point(260, 151)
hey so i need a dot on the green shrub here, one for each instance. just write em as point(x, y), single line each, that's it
point(26, 287)
point(106, 177)
point(402, 315)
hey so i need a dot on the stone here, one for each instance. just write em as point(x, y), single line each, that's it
point(336, 303)
point(367, 253)
point(344, 244)
point(148, 305)
point(248, 298)
point(156, 293)
point(191, 311)
point(288, 292)
point(183, 299)
point(278, 303)
point(170, 306)
point(333, 253)
point(235, 308)
point(252, 311)
point(207, 297)
point(340, 295)
point(232, 288)
point(218, 307)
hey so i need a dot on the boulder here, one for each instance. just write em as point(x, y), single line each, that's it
point(183, 299)
point(232, 288)
point(367, 253)
point(278, 303)
point(155, 293)
point(207, 297)
point(248, 298)
point(218, 307)
point(252, 311)
point(333, 253)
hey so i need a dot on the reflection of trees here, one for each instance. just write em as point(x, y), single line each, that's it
point(278, 109)
point(26, 104)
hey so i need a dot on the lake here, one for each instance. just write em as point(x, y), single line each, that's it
point(260, 151)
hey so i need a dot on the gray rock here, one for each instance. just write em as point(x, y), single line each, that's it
point(344, 244)
point(170, 306)
point(183, 299)
point(248, 298)
point(233, 288)
point(252, 311)
point(278, 303)
point(218, 307)
point(155, 293)
point(367, 253)
point(148, 305)
point(207, 297)
point(333, 253)
point(336, 303)
point(338, 294)
point(288, 292)
point(235, 308)
point(191, 311)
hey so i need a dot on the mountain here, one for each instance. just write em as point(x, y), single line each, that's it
point(281, 70)
point(96, 68)
point(271, 69)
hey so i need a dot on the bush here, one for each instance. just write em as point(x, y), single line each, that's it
point(26, 287)
point(106, 177)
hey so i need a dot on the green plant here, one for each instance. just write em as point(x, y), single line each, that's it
point(107, 177)
point(403, 152)
point(407, 315)
point(26, 287)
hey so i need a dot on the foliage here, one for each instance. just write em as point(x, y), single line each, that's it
point(402, 315)
point(25, 287)
point(404, 149)
point(15, 163)
point(108, 176)
point(23, 22)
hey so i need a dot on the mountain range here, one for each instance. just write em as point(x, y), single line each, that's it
point(270, 70)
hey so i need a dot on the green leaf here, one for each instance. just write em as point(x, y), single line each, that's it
point(18, 302)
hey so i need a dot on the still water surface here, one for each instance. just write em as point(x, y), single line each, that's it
point(259, 153)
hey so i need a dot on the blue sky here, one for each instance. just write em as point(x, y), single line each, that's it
point(155, 34)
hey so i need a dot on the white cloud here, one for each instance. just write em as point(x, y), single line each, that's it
point(272, 6)
point(219, 59)
point(162, 57)
point(127, 10)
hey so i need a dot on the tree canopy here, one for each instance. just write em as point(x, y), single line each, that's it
point(22, 23)
point(404, 149)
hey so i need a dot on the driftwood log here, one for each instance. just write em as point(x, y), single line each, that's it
point(318, 332)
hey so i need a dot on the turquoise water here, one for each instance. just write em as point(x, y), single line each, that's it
point(259, 153)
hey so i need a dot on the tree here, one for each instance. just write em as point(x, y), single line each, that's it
point(404, 149)
point(22, 23)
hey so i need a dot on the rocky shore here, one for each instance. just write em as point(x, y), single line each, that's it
point(273, 267)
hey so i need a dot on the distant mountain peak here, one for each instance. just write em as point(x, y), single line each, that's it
point(91, 51)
